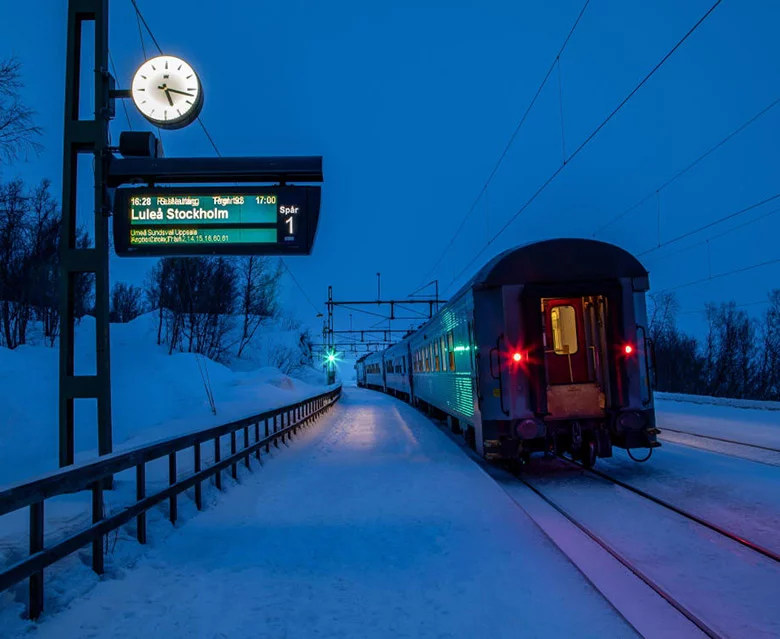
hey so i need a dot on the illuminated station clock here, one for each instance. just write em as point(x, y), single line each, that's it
point(167, 92)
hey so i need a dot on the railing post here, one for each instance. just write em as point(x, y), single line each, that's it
point(257, 439)
point(276, 440)
point(267, 434)
point(233, 469)
point(140, 493)
point(36, 546)
point(246, 445)
point(198, 486)
point(171, 481)
point(97, 515)
point(217, 457)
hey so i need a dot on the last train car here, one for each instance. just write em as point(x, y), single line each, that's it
point(544, 349)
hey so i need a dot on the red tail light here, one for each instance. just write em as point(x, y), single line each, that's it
point(628, 349)
point(517, 357)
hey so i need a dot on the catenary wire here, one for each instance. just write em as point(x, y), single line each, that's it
point(124, 103)
point(587, 140)
point(682, 172)
point(714, 237)
point(140, 17)
point(721, 275)
point(509, 143)
point(710, 224)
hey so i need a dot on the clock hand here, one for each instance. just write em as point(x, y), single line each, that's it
point(168, 95)
point(181, 92)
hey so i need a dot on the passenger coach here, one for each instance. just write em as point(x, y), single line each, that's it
point(545, 348)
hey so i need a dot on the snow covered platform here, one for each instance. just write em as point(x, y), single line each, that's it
point(372, 524)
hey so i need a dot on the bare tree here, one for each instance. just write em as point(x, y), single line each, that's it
point(126, 302)
point(18, 133)
point(29, 263)
point(730, 354)
point(259, 288)
point(678, 364)
point(768, 381)
point(196, 299)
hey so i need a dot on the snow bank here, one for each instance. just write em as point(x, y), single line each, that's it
point(718, 401)
point(155, 395)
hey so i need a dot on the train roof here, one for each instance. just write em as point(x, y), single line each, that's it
point(558, 260)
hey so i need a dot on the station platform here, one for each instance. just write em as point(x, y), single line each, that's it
point(372, 523)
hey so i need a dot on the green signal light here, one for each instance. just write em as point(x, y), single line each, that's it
point(331, 358)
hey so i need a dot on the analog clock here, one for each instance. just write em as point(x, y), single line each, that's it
point(167, 92)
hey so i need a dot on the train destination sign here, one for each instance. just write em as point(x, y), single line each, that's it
point(174, 221)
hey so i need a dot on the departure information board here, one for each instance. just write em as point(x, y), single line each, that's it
point(173, 221)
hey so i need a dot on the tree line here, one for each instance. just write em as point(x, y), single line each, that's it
point(738, 357)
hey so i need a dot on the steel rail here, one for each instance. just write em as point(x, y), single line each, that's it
point(769, 554)
point(722, 439)
point(695, 620)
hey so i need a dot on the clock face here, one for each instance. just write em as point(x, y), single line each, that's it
point(167, 92)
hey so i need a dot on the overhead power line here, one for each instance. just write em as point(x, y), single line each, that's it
point(721, 275)
point(682, 172)
point(297, 283)
point(714, 237)
point(140, 17)
point(124, 102)
point(710, 224)
point(509, 143)
point(590, 137)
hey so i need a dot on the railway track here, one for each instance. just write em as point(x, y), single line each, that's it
point(755, 547)
point(654, 601)
point(722, 439)
point(683, 610)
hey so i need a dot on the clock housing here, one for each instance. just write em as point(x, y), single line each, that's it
point(167, 92)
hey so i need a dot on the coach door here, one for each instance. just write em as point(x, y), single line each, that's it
point(572, 389)
point(565, 350)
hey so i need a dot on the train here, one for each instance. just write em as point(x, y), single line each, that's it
point(545, 349)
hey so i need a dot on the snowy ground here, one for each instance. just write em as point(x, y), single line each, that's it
point(372, 524)
point(749, 422)
point(155, 395)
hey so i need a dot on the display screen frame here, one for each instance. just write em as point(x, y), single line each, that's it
point(308, 198)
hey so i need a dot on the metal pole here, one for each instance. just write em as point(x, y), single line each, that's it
point(378, 288)
point(85, 136)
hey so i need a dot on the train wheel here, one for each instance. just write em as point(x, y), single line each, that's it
point(588, 452)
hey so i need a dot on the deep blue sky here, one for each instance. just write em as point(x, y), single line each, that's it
point(411, 102)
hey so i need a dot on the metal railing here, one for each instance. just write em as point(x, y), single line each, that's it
point(277, 424)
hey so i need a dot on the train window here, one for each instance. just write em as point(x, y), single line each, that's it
point(564, 330)
point(451, 350)
point(443, 349)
